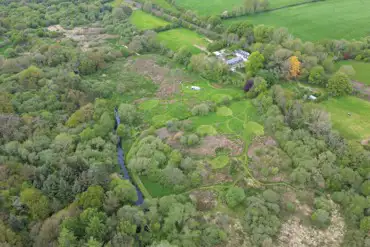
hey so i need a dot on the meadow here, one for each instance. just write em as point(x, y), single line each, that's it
point(362, 70)
point(216, 7)
point(145, 21)
point(330, 19)
point(180, 37)
point(355, 126)
point(239, 119)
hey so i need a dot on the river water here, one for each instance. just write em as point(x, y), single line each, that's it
point(121, 162)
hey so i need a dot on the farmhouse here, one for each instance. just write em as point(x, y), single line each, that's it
point(234, 60)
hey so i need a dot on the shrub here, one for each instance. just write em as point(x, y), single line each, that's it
point(234, 196)
point(190, 140)
point(200, 110)
point(193, 140)
point(320, 218)
point(339, 84)
point(317, 75)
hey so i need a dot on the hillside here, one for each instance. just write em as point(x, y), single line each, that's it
point(127, 123)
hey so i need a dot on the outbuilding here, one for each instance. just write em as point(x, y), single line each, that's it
point(311, 97)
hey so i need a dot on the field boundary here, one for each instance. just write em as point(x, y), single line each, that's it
point(270, 10)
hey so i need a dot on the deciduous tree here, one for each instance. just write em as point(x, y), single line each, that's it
point(295, 67)
point(339, 84)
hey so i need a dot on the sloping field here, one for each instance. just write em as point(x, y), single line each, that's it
point(216, 7)
point(177, 38)
point(355, 126)
point(362, 70)
point(330, 19)
point(145, 21)
point(164, 5)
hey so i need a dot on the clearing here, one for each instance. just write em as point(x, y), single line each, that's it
point(355, 126)
point(180, 37)
point(86, 37)
point(145, 21)
point(320, 20)
point(362, 70)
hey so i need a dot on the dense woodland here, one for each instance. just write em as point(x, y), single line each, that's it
point(60, 182)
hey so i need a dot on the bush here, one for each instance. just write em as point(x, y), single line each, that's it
point(317, 75)
point(234, 196)
point(200, 110)
point(339, 84)
point(190, 140)
point(320, 218)
point(193, 139)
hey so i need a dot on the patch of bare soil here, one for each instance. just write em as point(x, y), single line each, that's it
point(365, 142)
point(216, 85)
point(210, 144)
point(86, 37)
point(214, 177)
point(204, 199)
point(362, 89)
point(169, 80)
point(294, 234)
point(258, 143)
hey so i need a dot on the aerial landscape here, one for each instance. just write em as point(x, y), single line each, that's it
point(185, 123)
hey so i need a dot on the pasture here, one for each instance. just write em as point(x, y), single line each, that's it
point(330, 19)
point(355, 126)
point(180, 37)
point(145, 21)
point(216, 7)
point(362, 70)
point(165, 5)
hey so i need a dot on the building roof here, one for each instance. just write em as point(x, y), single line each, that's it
point(243, 53)
point(234, 60)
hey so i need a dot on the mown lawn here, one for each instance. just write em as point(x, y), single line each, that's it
point(180, 37)
point(216, 7)
point(362, 70)
point(357, 125)
point(330, 19)
point(145, 21)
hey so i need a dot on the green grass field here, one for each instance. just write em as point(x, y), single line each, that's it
point(362, 70)
point(354, 127)
point(216, 7)
point(165, 5)
point(145, 21)
point(330, 19)
point(177, 38)
point(155, 189)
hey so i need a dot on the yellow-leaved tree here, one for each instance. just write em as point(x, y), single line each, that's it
point(295, 67)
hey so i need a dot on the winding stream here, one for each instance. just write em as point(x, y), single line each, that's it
point(121, 161)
